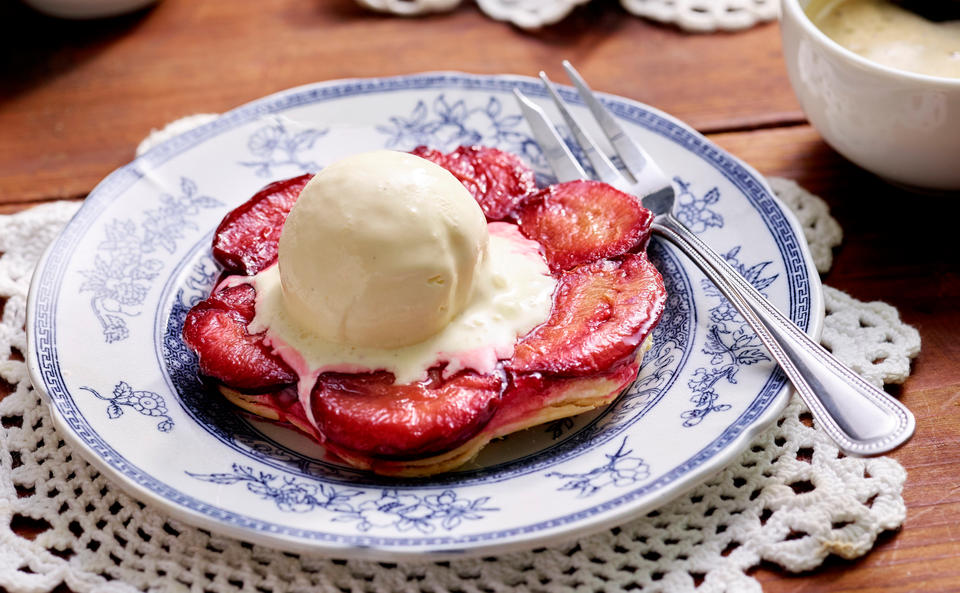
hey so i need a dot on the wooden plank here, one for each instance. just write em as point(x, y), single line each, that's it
point(78, 97)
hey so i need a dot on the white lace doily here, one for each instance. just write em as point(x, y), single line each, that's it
point(791, 498)
point(691, 15)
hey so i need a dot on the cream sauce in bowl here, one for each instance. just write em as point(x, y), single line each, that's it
point(890, 35)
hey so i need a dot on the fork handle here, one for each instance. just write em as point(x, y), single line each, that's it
point(860, 418)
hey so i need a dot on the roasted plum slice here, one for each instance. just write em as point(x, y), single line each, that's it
point(370, 414)
point(246, 240)
point(581, 221)
point(602, 311)
point(216, 329)
point(496, 179)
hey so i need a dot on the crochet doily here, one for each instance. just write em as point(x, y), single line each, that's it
point(791, 498)
point(691, 15)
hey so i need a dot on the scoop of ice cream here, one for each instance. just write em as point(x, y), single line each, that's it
point(381, 249)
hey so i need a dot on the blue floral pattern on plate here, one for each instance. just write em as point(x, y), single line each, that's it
point(730, 343)
point(695, 212)
point(275, 147)
point(390, 509)
point(127, 260)
point(445, 125)
point(147, 403)
point(621, 470)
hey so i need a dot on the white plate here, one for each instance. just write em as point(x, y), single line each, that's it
point(110, 294)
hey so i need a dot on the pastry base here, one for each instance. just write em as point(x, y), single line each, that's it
point(564, 398)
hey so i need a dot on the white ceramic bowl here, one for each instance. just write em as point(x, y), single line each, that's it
point(902, 126)
point(87, 9)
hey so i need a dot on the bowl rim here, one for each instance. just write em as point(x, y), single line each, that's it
point(794, 9)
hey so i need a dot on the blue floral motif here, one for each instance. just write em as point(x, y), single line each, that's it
point(275, 146)
point(290, 495)
point(445, 125)
point(621, 470)
point(405, 511)
point(695, 212)
point(147, 403)
point(124, 268)
point(391, 509)
point(730, 342)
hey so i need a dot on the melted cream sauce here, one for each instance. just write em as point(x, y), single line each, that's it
point(512, 296)
point(890, 35)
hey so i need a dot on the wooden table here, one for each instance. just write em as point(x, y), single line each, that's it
point(76, 98)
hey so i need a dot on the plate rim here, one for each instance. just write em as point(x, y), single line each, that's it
point(715, 463)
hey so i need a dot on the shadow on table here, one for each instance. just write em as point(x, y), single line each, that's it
point(35, 48)
point(828, 575)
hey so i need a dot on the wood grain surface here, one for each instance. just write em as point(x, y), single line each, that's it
point(77, 97)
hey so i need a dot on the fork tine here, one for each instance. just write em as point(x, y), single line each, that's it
point(605, 170)
point(644, 170)
point(565, 166)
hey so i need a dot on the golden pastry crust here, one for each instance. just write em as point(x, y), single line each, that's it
point(566, 398)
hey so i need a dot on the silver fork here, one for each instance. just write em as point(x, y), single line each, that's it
point(860, 418)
